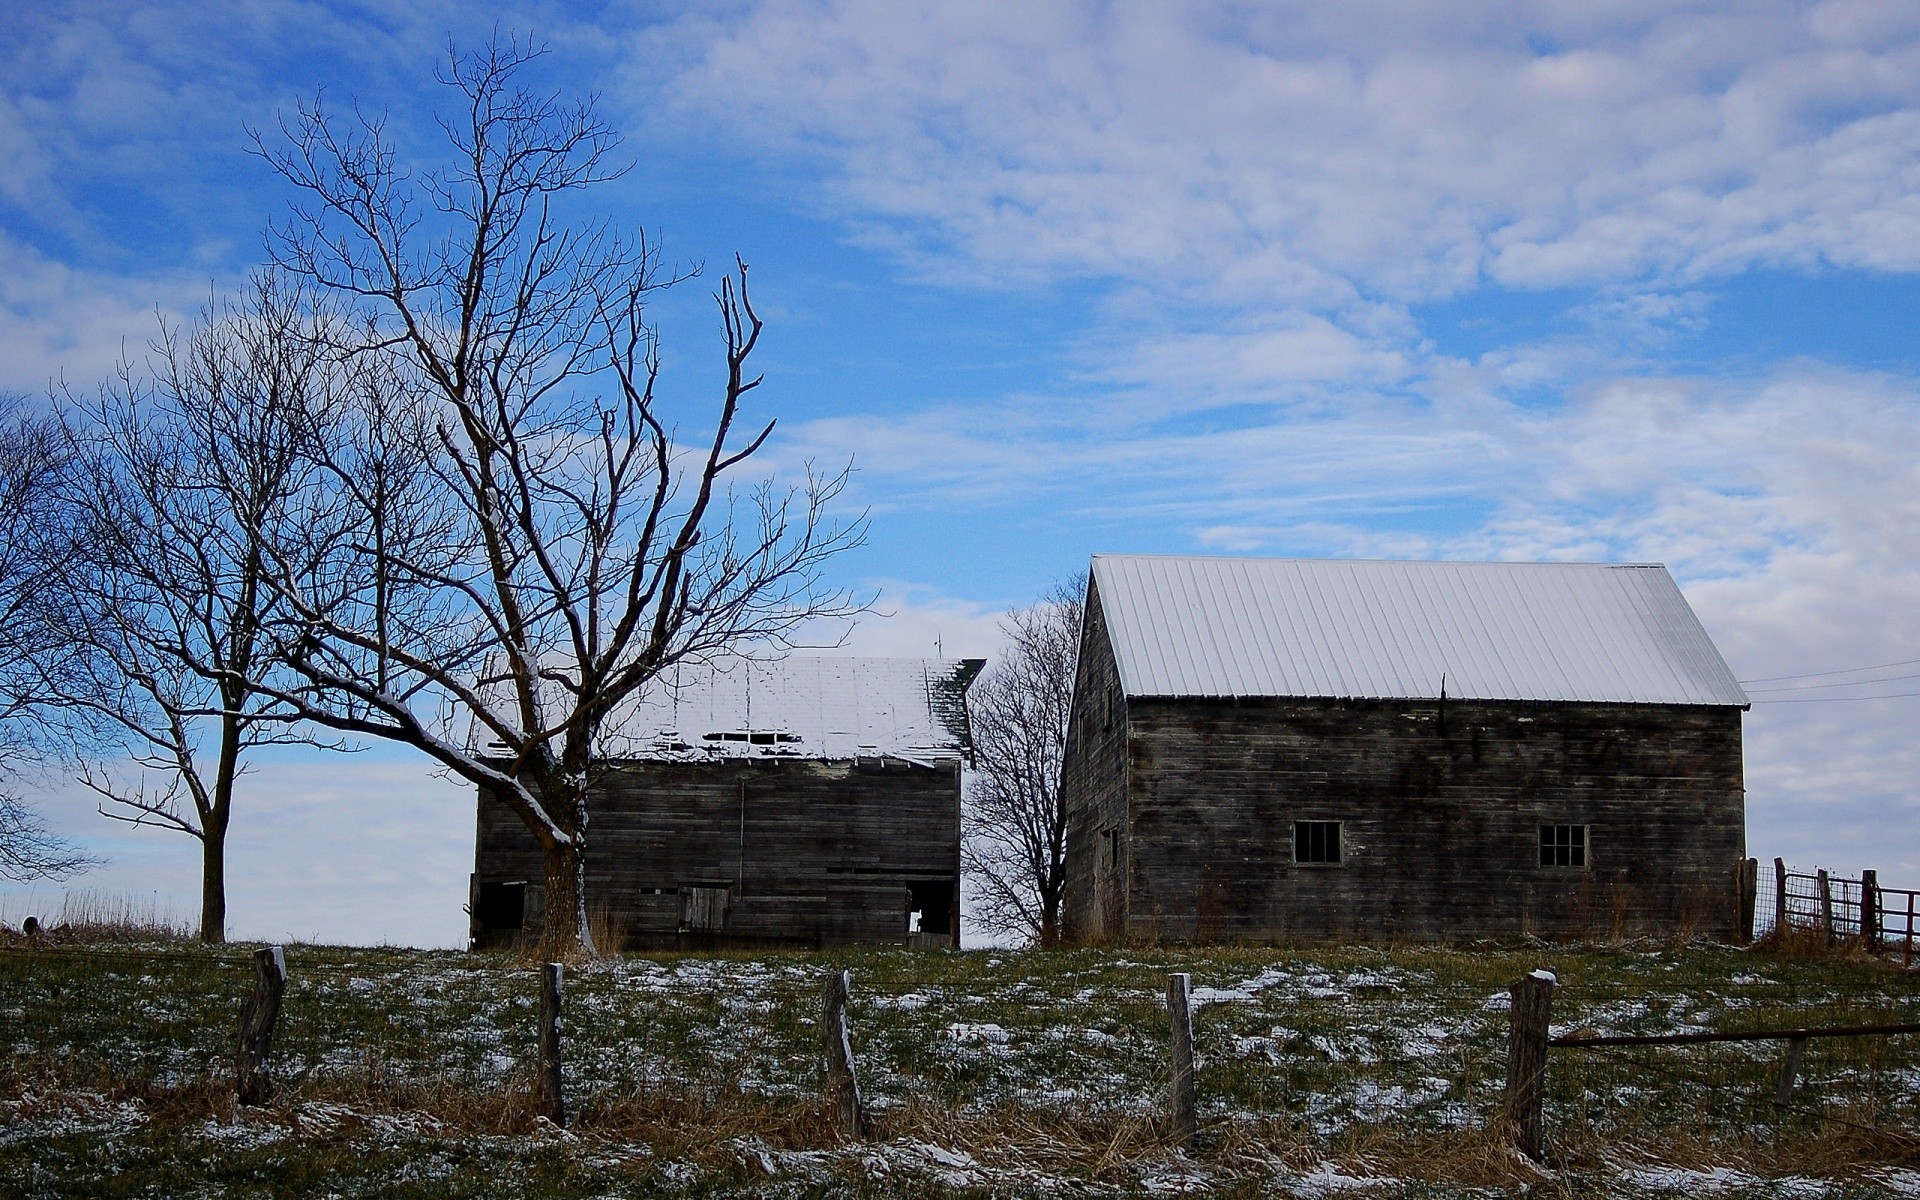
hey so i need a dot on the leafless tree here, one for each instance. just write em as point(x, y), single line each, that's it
point(516, 541)
point(1015, 849)
point(189, 465)
point(36, 548)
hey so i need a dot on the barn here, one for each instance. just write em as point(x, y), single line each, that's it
point(1301, 750)
point(804, 801)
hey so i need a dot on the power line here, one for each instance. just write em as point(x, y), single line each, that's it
point(1909, 662)
point(1835, 699)
point(1808, 687)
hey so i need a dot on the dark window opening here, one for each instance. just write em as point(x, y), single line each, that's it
point(930, 907)
point(1316, 841)
point(1563, 845)
point(503, 905)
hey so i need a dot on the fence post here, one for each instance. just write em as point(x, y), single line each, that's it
point(548, 1094)
point(1747, 883)
point(1795, 1048)
point(1530, 1015)
point(253, 1080)
point(1824, 883)
point(1181, 1094)
point(843, 1088)
point(1870, 909)
point(1780, 896)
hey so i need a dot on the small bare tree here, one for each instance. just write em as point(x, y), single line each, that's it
point(1015, 848)
point(37, 548)
point(188, 468)
point(515, 541)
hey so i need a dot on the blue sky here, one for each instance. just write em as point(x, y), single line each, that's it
point(1624, 281)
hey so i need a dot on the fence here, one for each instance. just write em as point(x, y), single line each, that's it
point(1350, 1045)
point(1836, 908)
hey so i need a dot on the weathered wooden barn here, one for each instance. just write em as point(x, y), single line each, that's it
point(806, 801)
point(1275, 750)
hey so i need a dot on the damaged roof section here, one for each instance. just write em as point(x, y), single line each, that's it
point(799, 707)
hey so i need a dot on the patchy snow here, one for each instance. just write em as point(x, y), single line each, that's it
point(1656, 1177)
point(990, 1034)
point(1328, 1180)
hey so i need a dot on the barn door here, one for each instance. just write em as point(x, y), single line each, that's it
point(703, 909)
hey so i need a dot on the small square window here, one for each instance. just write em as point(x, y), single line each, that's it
point(1316, 841)
point(1563, 845)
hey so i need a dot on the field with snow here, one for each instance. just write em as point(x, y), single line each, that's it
point(1321, 1073)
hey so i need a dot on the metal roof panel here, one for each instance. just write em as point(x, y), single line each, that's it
point(1365, 629)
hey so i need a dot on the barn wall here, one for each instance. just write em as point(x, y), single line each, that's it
point(1441, 817)
point(807, 852)
point(1093, 788)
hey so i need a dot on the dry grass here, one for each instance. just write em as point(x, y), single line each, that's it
point(709, 1061)
point(89, 915)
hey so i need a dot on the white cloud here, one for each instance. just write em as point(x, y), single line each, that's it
point(1310, 154)
point(62, 322)
point(323, 849)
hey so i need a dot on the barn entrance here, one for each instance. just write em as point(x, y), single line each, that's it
point(930, 913)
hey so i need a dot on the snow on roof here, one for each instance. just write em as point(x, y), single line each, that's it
point(798, 707)
point(1355, 629)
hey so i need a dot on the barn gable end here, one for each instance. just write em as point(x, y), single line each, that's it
point(801, 801)
point(1466, 749)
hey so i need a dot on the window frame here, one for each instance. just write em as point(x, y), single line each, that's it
point(1339, 858)
point(1548, 843)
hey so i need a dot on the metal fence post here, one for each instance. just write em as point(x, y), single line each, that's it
point(1529, 1017)
point(1747, 885)
point(1780, 897)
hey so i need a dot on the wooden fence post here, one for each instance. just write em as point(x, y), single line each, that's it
point(843, 1087)
point(1795, 1048)
point(31, 928)
point(548, 1094)
point(1747, 883)
point(1780, 897)
point(253, 1079)
point(1181, 1092)
point(1870, 909)
point(1530, 1015)
point(1824, 883)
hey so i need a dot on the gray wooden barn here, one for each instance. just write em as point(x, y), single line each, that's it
point(1284, 749)
point(805, 801)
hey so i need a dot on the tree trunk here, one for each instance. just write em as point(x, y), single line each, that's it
point(213, 883)
point(565, 932)
point(1049, 921)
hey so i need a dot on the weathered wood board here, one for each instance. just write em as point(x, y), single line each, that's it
point(1181, 815)
point(754, 852)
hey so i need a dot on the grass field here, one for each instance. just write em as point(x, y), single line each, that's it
point(1322, 1072)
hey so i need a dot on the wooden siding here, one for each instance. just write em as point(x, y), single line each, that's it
point(808, 852)
point(1440, 810)
point(1093, 788)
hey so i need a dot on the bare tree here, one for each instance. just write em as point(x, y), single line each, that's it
point(37, 547)
point(516, 542)
point(188, 469)
point(1015, 848)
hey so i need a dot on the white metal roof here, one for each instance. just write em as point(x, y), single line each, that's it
point(797, 707)
point(1356, 629)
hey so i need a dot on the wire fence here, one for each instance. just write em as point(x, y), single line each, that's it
point(1319, 1046)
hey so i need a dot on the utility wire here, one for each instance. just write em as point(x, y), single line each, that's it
point(1809, 687)
point(1834, 699)
point(1910, 662)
